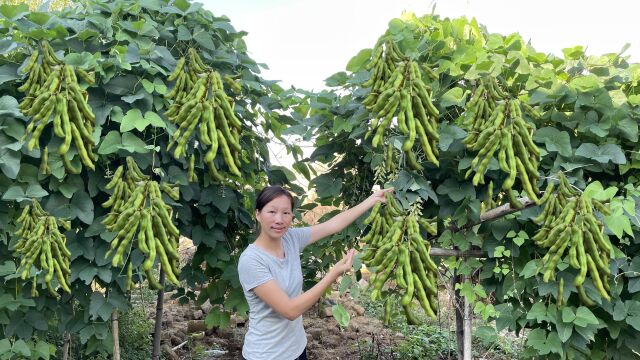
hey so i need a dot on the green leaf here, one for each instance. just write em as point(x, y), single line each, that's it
point(564, 331)
point(148, 87)
point(7, 268)
point(538, 312)
point(448, 134)
point(183, 33)
point(595, 191)
point(5, 346)
point(584, 317)
point(568, 315)
point(455, 96)
point(36, 191)
point(9, 106)
point(455, 190)
point(7, 45)
point(133, 144)
point(217, 318)
point(99, 307)
point(537, 339)
point(573, 53)
point(586, 83)
point(10, 162)
point(619, 311)
point(110, 143)
point(345, 283)
point(341, 315)
point(629, 128)
point(337, 79)
point(14, 12)
point(357, 62)
point(530, 269)
point(604, 154)
point(83, 60)
point(618, 225)
point(8, 72)
point(554, 140)
point(205, 40)
point(328, 186)
point(134, 119)
point(44, 350)
point(21, 348)
point(82, 207)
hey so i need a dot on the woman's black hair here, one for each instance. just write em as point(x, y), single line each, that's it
point(269, 193)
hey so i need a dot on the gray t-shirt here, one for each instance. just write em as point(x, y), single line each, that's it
point(271, 336)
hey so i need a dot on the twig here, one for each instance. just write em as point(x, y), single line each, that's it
point(179, 346)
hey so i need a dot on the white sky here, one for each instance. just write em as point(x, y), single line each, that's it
point(305, 41)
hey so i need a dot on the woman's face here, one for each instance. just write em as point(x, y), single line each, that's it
point(275, 217)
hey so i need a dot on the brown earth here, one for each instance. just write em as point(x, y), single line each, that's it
point(183, 329)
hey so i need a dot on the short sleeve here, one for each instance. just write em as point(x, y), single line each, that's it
point(300, 237)
point(252, 272)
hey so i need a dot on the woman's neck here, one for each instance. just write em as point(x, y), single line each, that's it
point(271, 245)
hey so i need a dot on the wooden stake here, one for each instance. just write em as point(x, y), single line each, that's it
point(116, 334)
point(157, 332)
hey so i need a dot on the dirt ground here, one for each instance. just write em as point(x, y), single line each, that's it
point(183, 329)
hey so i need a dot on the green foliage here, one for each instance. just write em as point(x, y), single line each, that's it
point(131, 47)
point(135, 334)
point(587, 128)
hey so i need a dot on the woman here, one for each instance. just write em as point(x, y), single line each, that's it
point(271, 275)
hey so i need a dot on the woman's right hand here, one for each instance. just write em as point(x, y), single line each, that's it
point(345, 264)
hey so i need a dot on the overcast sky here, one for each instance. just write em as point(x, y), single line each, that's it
point(305, 41)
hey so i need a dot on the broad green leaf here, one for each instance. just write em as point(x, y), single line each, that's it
point(537, 312)
point(148, 87)
point(341, 315)
point(7, 268)
point(584, 317)
point(7, 45)
point(345, 283)
point(629, 128)
point(455, 96)
point(5, 346)
point(133, 120)
point(554, 140)
point(327, 186)
point(21, 348)
point(568, 316)
point(595, 191)
point(357, 62)
point(217, 318)
point(14, 12)
point(205, 40)
point(110, 143)
point(8, 72)
point(618, 225)
point(83, 60)
point(183, 33)
point(619, 311)
point(133, 144)
point(564, 331)
point(10, 162)
point(604, 154)
point(530, 269)
point(9, 106)
point(448, 134)
point(586, 83)
point(456, 191)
